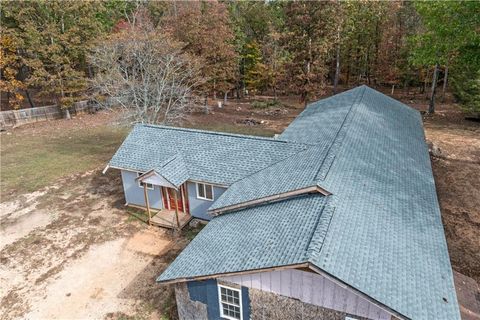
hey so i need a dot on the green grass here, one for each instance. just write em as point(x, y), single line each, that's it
point(137, 215)
point(191, 233)
point(29, 163)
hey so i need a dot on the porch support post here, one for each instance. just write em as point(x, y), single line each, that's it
point(183, 198)
point(168, 198)
point(176, 208)
point(186, 204)
point(145, 194)
point(160, 188)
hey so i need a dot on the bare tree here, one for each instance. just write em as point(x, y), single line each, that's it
point(145, 72)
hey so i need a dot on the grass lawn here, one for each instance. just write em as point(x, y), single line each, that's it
point(32, 161)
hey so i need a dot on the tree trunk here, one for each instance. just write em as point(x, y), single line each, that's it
point(424, 88)
point(306, 86)
point(90, 71)
point(431, 107)
point(274, 69)
point(225, 95)
point(337, 70)
point(347, 81)
point(214, 89)
point(445, 79)
point(32, 105)
point(206, 104)
point(367, 68)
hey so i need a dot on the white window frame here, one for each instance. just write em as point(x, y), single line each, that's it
point(220, 302)
point(139, 183)
point(204, 186)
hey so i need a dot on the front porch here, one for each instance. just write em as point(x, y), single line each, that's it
point(168, 219)
point(164, 218)
point(174, 209)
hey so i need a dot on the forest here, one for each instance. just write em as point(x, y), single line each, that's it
point(164, 57)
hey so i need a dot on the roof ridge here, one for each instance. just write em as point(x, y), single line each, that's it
point(157, 169)
point(322, 169)
point(309, 189)
point(219, 133)
point(267, 203)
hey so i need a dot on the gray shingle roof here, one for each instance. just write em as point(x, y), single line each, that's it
point(386, 238)
point(175, 170)
point(278, 234)
point(294, 173)
point(213, 157)
point(385, 235)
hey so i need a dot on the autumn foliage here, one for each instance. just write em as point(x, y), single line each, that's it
point(251, 47)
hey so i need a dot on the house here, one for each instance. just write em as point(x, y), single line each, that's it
point(176, 172)
point(337, 218)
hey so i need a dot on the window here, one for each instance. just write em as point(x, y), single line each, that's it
point(140, 183)
point(204, 191)
point(230, 303)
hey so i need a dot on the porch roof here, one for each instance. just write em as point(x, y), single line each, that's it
point(173, 173)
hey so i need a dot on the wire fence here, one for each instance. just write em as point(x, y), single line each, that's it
point(24, 116)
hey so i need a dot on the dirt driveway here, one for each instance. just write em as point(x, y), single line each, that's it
point(71, 251)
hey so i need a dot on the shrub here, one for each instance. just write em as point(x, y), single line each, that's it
point(264, 104)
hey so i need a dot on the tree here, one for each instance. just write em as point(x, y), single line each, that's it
point(467, 91)
point(204, 28)
point(255, 72)
point(309, 37)
point(54, 38)
point(364, 23)
point(10, 66)
point(256, 27)
point(145, 72)
point(450, 31)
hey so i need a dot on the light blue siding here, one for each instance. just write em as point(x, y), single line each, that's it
point(199, 207)
point(134, 193)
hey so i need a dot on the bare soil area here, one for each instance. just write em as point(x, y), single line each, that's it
point(456, 167)
point(72, 251)
point(69, 249)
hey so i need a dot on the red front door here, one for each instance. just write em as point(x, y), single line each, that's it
point(169, 198)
